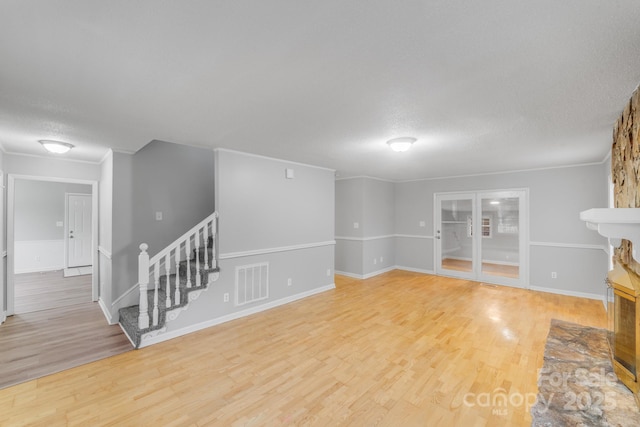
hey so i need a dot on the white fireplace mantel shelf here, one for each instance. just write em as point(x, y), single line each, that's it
point(615, 224)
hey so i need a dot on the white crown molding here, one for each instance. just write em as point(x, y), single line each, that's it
point(259, 156)
point(50, 157)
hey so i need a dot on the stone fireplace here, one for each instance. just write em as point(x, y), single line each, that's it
point(623, 310)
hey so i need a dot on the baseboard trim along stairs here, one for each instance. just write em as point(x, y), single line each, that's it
point(190, 277)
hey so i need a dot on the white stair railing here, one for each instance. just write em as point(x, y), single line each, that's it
point(193, 239)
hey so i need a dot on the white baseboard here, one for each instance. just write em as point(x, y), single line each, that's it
point(352, 275)
point(568, 293)
point(233, 316)
point(385, 270)
point(415, 270)
point(106, 311)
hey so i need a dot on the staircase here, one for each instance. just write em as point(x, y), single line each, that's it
point(178, 275)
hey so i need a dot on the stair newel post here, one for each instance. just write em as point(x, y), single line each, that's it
point(177, 296)
point(167, 269)
point(187, 253)
point(143, 281)
point(156, 281)
point(205, 239)
point(197, 248)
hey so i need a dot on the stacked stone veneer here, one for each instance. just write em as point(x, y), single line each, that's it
point(625, 169)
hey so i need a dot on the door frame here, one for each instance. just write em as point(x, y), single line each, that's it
point(66, 225)
point(476, 273)
point(11, 178)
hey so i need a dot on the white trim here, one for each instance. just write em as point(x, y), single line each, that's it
point(230, 255)
point(233, 316)
point(416, 270)
point(352, 275)
point(105, 311)
point(366, 177)
point(109, 151)
point(387, 236)
point(503, 172)
point(365, 276)
point(259, 156)
point(569, 245)
point(366, 239)
point(126, 334)
point(566, 292)
point(104, 252)
point(51, 156)
point(125, 294)
point(123, 151)
point(4, 254)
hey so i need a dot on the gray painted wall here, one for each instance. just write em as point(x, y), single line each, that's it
point(38, 205)
point(162, 177)
point(556, 198)
point(262, 209)
point(51, 167)
point(370, 248)
point(264, 217)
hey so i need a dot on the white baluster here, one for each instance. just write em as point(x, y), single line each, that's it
point(214, 234)
point(143, 281)
point(167, 268)
point(197, 244)
point(187, 251)
point(205, 237)
point(156, 281)
point(177, 296)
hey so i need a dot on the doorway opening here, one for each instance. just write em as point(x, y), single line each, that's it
point(483, 236)
point(51, 243)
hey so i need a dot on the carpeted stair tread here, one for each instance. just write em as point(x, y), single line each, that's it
point(129, 315)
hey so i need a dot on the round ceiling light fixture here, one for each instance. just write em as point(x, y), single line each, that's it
point(401, 144)
point(56, 147)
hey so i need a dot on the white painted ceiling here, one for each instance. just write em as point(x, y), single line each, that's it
point(492, 85)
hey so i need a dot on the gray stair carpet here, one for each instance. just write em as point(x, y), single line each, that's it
point(129, 315)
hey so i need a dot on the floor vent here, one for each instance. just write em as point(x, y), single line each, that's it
point(252, 283)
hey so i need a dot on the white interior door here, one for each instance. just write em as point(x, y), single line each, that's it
point(78, 239)
point(483, 236)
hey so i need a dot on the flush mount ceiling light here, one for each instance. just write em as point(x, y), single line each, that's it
point(401, 144)
point(56, 147)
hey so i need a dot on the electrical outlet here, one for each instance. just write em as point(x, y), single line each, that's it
point(381, 259)
point(328, 272)
point(356, 225)
point(422, 224)
point(375, 261)
point(158, 216)
point(226, 297)
point(554, 275)
point(289, 281)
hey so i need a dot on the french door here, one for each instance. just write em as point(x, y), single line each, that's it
point(483, 236)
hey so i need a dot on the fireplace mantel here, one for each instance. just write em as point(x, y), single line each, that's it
point(616, 224)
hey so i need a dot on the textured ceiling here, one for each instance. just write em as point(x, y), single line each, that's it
point(485, 86)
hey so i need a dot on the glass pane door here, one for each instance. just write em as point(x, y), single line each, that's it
point(455, 235)
point(500, 241)
point(483, 236)
point(500, 237)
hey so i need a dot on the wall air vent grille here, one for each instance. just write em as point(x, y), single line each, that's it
point(252, 283)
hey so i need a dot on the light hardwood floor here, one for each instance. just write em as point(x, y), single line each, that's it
point(492, 269)
point(399, 349)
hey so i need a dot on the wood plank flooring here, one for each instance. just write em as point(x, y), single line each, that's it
point(49, 341)
point(50, 289)
point(492, 269)
point(399, 349)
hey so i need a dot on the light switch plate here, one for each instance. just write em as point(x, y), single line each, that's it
point(158, 216)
